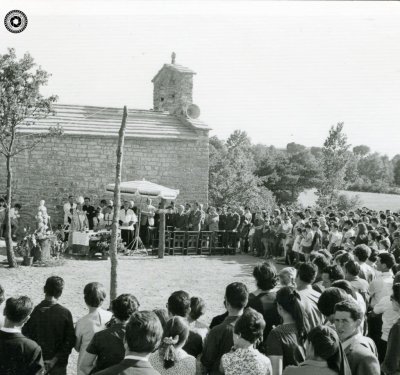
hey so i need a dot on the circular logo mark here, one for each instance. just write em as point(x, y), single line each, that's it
point(15, 21)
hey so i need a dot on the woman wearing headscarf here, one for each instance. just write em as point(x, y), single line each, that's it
point(324, 355)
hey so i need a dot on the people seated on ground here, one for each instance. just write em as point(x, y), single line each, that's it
point(324, 355)
point(197, 310)
point(245, 359)
point(90, 211)
point(95, 321)
point(360, 351)
point(306, 273)
point(171, 358)
point(220, 338)
point(106, 348)
point(264, 297)
point(127, 220)
point(142, 337)
point(327, 301)
point(285, 343)
point(179, 305)
point(391, 362)
point(50, 325)
point(19, 355)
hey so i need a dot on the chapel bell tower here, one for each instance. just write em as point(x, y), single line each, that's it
point(173, 88)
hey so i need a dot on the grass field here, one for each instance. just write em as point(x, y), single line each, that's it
point(150, 279)
point(373, 201)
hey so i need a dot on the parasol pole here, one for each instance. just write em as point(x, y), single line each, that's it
point(161, 236)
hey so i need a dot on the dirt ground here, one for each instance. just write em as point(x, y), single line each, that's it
point(150, 279)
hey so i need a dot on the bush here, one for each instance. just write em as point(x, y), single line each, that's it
point(347, 203)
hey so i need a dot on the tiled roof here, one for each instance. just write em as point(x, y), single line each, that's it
point(106, 121)
point(176, 67)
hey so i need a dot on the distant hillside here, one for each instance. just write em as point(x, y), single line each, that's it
point(375, 201)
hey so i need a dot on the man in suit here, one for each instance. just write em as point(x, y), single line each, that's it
point(181, 219)
point(18, 354)
point(142, 336)
point(90, 211)
point(127, 220)
point(360, 351)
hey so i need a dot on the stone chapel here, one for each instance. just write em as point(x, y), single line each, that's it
point(164, 145)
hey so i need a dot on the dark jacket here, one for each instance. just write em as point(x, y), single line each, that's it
point(218, 342)
point(181, 221)
point(19, 355)
point(51, 326)
point(363, 357)
point(391, 363)
point(222, 222)
point(129, 367)
point(108, 346)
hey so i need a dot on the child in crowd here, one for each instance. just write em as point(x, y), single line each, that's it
point(94, 321)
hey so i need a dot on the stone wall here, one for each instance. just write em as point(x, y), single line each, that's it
point(172, 91)
point(84, 165)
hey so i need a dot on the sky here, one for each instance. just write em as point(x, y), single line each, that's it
point(281, 71)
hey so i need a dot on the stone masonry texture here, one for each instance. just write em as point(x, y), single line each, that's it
point(84, 165)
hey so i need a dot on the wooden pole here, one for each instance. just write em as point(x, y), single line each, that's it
point(117, 205)
point(161, 236)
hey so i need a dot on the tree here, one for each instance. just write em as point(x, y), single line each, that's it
point(361, 150)
point(334, 164)
point(396, 172)
point(288, 173)
point(232, 179)
point(117, 205)
point(20, 104)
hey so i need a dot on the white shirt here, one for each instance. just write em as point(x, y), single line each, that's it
point(127, 216)
point(85, 329)
point(11, 330)
point(137, 358)
point(108, 218)
point(14, 213)
point(351, 340)
point(67, 213)
point(381, 287)
point(389, 316)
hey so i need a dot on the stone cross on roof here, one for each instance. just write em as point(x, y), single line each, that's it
point(173, 57)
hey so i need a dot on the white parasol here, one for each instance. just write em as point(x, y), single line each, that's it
point(144, 188)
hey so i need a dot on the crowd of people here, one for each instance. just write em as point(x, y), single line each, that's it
point(334, 309)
